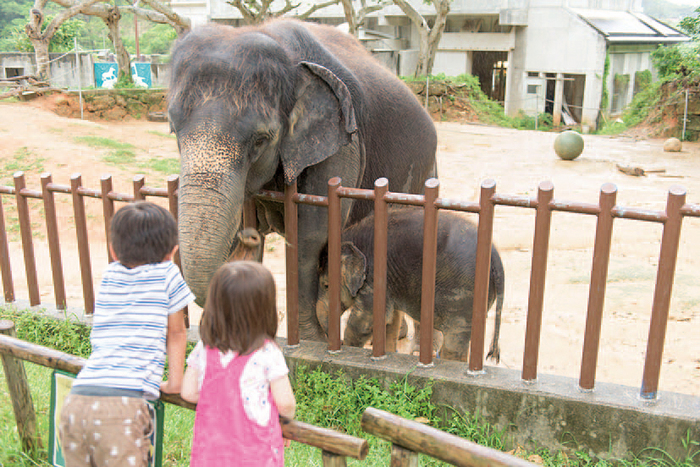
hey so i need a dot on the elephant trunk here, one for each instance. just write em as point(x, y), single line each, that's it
point(208, 219)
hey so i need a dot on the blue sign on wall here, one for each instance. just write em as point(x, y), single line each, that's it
point(106, 74)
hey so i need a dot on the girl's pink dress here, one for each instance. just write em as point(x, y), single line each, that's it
point(223, 434)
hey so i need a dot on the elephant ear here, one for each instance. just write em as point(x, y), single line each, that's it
point(321, 122)
point(353, 266)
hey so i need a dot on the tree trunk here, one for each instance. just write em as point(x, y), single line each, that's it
point(429, 38)
point(123, 58)
point(350, 16)
point(38, 40)
point(442, 8)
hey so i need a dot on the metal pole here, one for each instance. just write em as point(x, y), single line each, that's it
point(427, 92)
point(685, 115)
point(77, 66)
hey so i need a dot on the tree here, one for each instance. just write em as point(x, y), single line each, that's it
point(354, 18)
point(41, 35)
point(691, 25)
point(110, 13)
point(430, 37)
point(257, 11)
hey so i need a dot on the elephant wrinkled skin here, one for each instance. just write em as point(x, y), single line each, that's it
point(259, 107)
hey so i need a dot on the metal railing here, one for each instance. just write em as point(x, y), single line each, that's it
point(544, 204)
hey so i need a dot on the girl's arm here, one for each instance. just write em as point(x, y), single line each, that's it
point(175, 343)
point(283, 396)
point(190, 384)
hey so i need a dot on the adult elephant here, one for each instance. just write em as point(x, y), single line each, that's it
point(260, 107)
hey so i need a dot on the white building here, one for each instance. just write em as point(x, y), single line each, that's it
point(532, 55)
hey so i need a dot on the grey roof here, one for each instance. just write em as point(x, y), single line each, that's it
point(628, 27)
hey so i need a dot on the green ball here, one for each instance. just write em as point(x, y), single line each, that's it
point(568, 145)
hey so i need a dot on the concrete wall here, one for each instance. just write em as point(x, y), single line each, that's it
point(552, 412)
point(547, 45)
point(626, 60)
point(62, 68)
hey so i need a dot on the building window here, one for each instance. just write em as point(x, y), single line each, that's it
point(533, 74)
point(533, 89)
point(13, 72)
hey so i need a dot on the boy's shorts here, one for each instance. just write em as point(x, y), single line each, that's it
point(105, 431)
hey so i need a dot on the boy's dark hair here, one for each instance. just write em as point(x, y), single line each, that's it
point(241, 308)
point(142, 233)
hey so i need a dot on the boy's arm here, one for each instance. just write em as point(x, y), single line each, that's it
point(283, 396)
point(176, 343)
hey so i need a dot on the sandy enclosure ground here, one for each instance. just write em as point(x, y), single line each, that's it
point(36, 141)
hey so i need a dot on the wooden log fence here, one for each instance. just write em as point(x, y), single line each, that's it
point(408, 438)
point(335, 446)
point(544, 204)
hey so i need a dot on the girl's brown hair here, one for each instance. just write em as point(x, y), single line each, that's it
point(241, 308)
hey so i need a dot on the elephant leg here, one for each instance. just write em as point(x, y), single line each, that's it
point(438, 339)
point(456, 345)
point(393, 329)
point(313, 228)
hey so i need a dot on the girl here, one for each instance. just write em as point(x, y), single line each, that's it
point(237, 374)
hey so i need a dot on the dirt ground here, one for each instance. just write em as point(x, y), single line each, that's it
point(36, 140)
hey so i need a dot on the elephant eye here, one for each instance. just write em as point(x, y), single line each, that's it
point(260, 140)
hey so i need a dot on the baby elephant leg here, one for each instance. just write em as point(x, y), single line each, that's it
point(456, 345)
point(393, 328)
point(438, 340)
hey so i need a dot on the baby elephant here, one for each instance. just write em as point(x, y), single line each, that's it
point(454, 288)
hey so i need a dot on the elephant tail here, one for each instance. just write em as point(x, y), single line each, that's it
point(498, 282)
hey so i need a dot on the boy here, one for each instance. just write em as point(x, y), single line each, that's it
point(138, 318)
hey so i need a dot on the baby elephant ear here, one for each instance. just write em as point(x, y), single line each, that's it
point(321, 122)
point(353, 267)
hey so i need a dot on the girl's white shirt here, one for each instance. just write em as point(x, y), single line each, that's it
point(265, 365)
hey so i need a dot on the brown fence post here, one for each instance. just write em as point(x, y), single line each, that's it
point(250, 214)
point(402, 457)
point(107, 209)
point(662, 291)
point(7, 283)
point(381, 216)
point(543, 220)
point(20, 394)
point(482, 274)
point(291, 233)
point(83, 244)
point(334, 233)
point(329, 459)
point(596, 291)
point(173, 182)
point(427, 300)
point(59, 287)
point(25, 228)
point(139, 182)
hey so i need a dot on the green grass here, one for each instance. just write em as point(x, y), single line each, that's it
point(23, 160)
point(327, 400)
point(166, 166)
point(101, 142)
point(164, 135)
point(120, 157)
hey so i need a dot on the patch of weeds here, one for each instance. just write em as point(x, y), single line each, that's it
point(23, 160)
point(167, 166)
point(120, 157)
point(101, 142)
point(164, 135)
point(67, 335)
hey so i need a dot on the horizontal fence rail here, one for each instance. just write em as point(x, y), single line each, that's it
point(543, 205)
point(333, 444)
point(409, 437)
